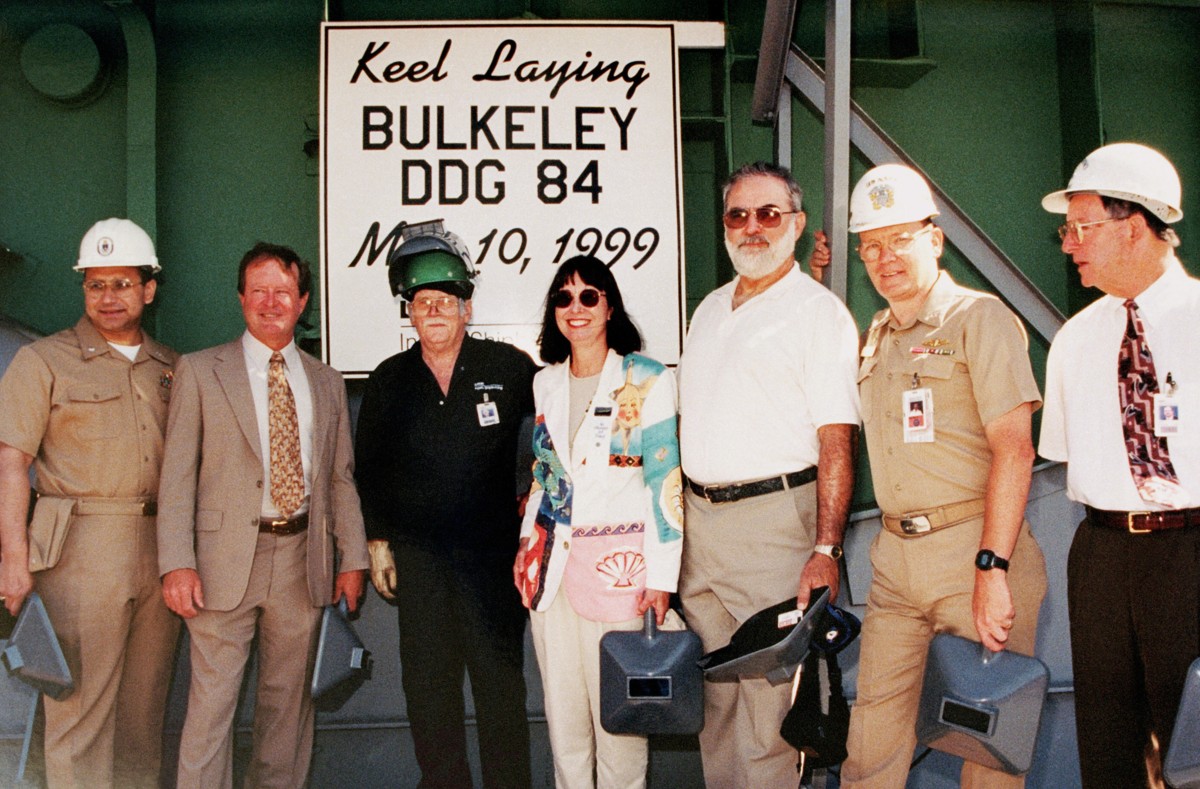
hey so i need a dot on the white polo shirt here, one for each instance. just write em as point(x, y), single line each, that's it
point(755, 383)
point(1081, 421)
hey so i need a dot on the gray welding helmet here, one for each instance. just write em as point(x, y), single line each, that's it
point(430, 257)
point(762, 649)
point(981, 705)
point(649, 681)
point(33, 654)
point(343, 662)
point(1182, 765)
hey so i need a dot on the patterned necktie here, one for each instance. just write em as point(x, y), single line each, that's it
point(1137, 384)
point(287, 470)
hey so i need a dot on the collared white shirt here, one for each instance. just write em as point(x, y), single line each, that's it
point(755, 383)
point(1081, 423)
point(258, 360)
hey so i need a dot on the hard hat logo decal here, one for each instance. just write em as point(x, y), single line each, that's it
point(882, 196)
point(104, 246)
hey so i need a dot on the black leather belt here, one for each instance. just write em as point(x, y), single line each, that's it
point(282, 527)
point(723, 494)
point(1143, 522)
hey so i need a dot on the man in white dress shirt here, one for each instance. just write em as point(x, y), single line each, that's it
point(1133, 574)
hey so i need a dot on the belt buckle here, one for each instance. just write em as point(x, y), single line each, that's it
point(1129, 516)
point(278, 525)
point(712, 494)
point(916, 525)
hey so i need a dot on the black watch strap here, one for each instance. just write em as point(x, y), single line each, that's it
point(988, 560)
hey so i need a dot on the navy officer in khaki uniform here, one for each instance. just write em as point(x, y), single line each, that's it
point(947, 394)
point(87, 408)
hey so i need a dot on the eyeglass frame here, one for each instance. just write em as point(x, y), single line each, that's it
point(426, 304)
point(1079, 227)
point(95, 288)
point(563, 298)
point(906, 241)
point(767, 216)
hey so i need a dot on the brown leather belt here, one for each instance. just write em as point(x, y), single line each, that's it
point(724, 494)
point(916, 524)
point(1143, 522)
point(282, 527)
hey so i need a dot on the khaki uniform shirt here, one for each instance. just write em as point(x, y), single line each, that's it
point(971, 351)
point(92, 420)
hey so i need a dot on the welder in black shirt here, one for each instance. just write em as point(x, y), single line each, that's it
point(436, 461)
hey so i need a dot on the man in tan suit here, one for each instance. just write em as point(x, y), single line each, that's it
point(248, 540)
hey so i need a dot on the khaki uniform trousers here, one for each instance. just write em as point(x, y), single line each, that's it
point(568, 653)
point(923, 586)
point(119, 638)
point(276, 606)
point(739, 558)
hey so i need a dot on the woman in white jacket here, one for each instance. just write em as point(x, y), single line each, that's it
point(603, 530)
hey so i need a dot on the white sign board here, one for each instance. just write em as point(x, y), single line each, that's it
point(534, 142)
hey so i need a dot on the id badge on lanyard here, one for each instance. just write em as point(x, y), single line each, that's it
point(917, 412)
point(488, 413)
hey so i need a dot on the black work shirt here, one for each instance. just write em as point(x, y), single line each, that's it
point(430, 468)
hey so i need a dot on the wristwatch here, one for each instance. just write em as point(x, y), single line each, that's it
point(987, 560)
point(832, 551)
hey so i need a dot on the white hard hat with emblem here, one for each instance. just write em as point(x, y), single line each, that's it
point(116, 242)
point(890, 194)
point(1126, 171)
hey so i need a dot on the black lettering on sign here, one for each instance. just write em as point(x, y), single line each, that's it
point(632, 73)
point(398, 71)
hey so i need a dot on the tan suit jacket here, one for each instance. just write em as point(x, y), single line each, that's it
point(210, 494)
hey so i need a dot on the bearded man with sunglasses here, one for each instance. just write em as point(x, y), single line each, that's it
point(87, 408)
point(768, 425)
point(436, 461)
point(955, 554)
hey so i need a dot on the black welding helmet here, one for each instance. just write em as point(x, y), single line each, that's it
point(764, 646)
point(430, 257)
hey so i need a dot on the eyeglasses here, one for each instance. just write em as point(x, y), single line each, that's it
point(767, 216)
point(588, 297)
point(1075, 229)
point(119, 287)
point(898, 245)
point(429, 304)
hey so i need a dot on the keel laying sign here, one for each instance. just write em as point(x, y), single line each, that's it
point(534, 142)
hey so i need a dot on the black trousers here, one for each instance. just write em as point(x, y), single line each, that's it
point(460, 611)
point(1135, 629)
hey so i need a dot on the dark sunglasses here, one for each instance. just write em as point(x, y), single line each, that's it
point(768, 216)
point(588, 297)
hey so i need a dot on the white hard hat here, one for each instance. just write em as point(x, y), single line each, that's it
point(890, 194)
point(1126, 171)
point(116, 242)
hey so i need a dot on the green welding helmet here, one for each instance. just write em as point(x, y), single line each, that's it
point(430, 257)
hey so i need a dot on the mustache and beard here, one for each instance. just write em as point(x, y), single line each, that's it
point(753, 264)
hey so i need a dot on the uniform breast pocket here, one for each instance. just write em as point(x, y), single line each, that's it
point(939, 367)
point(95, 410)
point(945, 377)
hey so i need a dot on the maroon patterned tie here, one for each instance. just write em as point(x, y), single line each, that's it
point(1137, 385)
